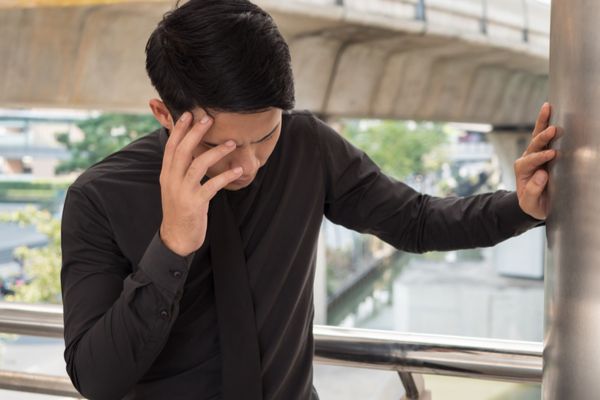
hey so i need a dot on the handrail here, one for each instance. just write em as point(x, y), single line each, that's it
point(422, 7)
point(406, 353)
point(44, 320)
point(37, 383)
point(490, 359)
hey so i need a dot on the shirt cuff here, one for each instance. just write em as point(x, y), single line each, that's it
point(512, 215)
point(167, 269)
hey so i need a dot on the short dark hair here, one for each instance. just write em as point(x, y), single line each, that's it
point(225, 55)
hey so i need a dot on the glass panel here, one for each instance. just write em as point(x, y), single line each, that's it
point(337, 383)
point(32, 355)
point(449, 388)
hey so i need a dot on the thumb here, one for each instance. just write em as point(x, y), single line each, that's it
point(540, 178)
point(535, 187)
point(533, 193)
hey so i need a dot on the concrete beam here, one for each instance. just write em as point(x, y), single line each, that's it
point(64, 3)
point(356, 60)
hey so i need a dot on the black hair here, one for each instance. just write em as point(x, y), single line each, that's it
point(225, 55)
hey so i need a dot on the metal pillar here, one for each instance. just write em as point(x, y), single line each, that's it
point(572, 326)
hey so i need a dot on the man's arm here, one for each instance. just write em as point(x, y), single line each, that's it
point(361, 197)
point(116, 322)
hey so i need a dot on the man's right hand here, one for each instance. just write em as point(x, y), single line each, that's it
point(184, 199)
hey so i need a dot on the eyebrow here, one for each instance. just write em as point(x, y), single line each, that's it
point(258, 141)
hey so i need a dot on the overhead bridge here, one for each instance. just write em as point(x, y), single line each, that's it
point(446, 60)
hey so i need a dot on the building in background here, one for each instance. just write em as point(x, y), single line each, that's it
point(28, 147)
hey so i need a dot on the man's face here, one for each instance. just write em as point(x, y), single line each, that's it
point(255, 135)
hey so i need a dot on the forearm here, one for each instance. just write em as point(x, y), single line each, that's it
point(114, 353)
point(453, 223)
point(107, 358)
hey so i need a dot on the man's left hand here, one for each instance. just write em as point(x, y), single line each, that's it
point(531, 175)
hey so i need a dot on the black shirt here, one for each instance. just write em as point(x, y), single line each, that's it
point(234, 319)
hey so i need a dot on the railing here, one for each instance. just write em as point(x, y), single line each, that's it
point(408, 354)
point(516, 20)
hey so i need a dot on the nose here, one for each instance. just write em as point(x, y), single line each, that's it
point(244, 157)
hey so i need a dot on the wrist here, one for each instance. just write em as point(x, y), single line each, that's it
point(169, 244)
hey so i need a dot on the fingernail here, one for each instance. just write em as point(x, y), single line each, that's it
point(184, 117)
point(205, 119)
point(230, 143)
point(237, 170)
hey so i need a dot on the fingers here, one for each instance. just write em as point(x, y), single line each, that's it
point(212, 186)
point(207, 159)
point(534, 189)
point(542, 120)
point(182, 156)
point(528, 164)
point(539, 142)
point(175, 136)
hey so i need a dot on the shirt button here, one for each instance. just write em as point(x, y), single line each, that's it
point(177, 274)
point(164, 314)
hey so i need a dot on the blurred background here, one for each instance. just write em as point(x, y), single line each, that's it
point(442, 94)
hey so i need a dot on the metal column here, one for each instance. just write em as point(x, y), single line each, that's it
point(572, 331)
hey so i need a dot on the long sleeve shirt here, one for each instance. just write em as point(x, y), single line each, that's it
point(233, 320)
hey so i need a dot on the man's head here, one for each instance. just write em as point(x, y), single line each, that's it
point(228, 59)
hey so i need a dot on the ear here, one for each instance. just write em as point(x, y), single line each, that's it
point(161, 113)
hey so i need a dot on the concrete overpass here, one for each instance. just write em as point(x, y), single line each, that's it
point(447, 60)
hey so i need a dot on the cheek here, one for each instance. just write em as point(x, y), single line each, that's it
point(263, 154)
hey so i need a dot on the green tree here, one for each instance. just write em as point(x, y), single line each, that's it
point(103, 136)
point(399, 148)
point(41, 264)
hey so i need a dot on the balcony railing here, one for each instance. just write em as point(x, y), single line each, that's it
point(408, 354)
point(521, 23)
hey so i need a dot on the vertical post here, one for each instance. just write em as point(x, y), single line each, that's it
point(483, 21)
point(525, 21)
point(572, 304)
point(320, 285)
point(414, 386)
point(420, 14)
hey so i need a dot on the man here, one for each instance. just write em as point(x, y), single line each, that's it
point(189, 255)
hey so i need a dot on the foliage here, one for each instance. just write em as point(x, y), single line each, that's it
point(399, 148)
point(103, 136)
point(41, 264)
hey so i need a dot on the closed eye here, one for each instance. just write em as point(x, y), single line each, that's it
point(264, 139)
point(267, 137)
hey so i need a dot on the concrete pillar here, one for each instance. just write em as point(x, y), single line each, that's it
point(572, 304)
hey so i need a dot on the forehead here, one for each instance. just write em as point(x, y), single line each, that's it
point(240, 126)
